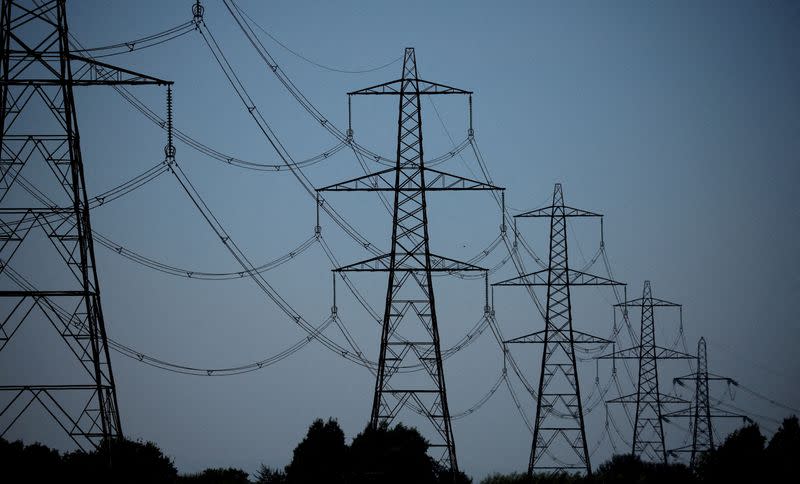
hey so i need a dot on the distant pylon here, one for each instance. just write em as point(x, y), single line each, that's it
point(648, 429)
point(44, 206)
point(701, 411)
point(559, 433)
point(410, 265)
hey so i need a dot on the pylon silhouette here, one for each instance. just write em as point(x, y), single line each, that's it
point(701, 411)
point(410, 265)
point(648, 428)
point(559, 434)
point(40, 132)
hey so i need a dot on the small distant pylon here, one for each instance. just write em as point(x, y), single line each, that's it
point(701, 411)
point(648, 429)
point(559, 434)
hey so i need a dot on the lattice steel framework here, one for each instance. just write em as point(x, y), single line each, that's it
point(648, 428)
point(410, 265)
point(701, 412)
point(559, 434)
point(40, 132)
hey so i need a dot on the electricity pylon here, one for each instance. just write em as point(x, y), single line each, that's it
point(648, 428)
point(559, 433)
point(410, 265)
point(43, 196)
point(701, 412)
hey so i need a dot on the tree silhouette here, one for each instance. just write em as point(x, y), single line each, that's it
point(513, 478)
point(320, 457)
point(267, 475)
point(29, 463)
point(739, 459)
point(782, 455)
point(216, 476)
point(396, 455)
point(628, 468)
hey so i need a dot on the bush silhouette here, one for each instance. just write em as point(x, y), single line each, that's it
point(782, 455)
point(739, 459)
point(267, 475)
point(396, 455)
point(119, 462)
point(393, 455)
point(627, 468)
point(216, 476)
point(29, 463)
point(320, 457)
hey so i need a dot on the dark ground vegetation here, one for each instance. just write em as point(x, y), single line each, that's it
point(392, 456)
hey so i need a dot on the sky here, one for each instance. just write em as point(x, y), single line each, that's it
point(679, 121)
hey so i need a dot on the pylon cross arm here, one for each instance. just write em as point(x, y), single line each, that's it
point(447, 181)
point(687, 412)
point(578, 337)
point(556, 211)
point(87, 72)
point(382, 263)
point(574, 278)
point(671, 399)
point(398, 86)
point(654, 302)
point(385, 181)
point(693, 377)
point(660, 353)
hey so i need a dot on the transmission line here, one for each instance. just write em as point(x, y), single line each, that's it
point(141, 43)
point(322, 66)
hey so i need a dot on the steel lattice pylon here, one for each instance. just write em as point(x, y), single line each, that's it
point(559, 434)
point(700, 412)
point(702, 435)
point(40, 132)
point(648, 428)
point(410, 265)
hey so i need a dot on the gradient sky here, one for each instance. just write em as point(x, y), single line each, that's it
point(680, 121)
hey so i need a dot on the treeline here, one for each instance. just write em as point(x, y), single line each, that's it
point(392, 456)
point(377, 455)
point(744, 457)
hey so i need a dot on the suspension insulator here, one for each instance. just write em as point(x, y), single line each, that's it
point(197, 12)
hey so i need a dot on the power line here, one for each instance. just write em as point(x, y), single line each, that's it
point(141, 43)
point(317, 64)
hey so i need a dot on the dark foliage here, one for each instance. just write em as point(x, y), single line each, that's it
point(34, 463)
point(267, 475)
point(216, 476)
point(514, 478)
point(121, 461)
point(445, 476)
point(520, 478)
point(782, 456)
point(320, 457)
point(396, 455)
point(739, 459)
point(624, 469)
